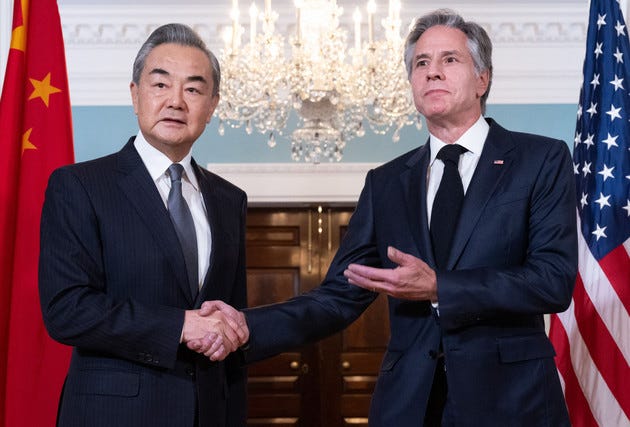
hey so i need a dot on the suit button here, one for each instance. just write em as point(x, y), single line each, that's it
point(190, 372)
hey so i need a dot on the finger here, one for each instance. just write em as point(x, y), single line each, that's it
point(362, 281)
point(231, 340)
point(214, 345)
point(201, 345)
point(194, 345)
point(220, 354)
point(243, 333)
point(209, 307)
point(371, 273)
point(399, 257)
point(395, 255)
point(238, 324)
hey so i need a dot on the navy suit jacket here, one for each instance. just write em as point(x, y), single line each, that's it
point(514, 258)
point(113, 285)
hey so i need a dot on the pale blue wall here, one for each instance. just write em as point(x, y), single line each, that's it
point(102, 130)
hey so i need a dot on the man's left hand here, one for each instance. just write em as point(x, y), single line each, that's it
point(413, 279)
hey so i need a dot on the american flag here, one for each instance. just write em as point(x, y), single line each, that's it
point(592, 338)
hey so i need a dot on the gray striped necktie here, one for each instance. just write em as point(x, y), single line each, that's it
point(184, 225)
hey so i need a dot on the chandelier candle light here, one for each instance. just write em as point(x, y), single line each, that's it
point(332, 96)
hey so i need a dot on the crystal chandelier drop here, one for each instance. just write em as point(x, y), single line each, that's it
point(333, 89)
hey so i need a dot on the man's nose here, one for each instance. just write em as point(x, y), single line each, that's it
point(176, 98)
point(435, 72)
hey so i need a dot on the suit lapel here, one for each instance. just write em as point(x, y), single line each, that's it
point(414, 184)
point(494, 163)
point(212, 288)
point(136, 183)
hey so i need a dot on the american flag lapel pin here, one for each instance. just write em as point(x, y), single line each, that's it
point(498, 162)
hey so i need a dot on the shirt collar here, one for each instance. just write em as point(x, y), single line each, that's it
point(472, 140)
point(157, 162)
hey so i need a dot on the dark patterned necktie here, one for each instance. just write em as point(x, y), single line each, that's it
point(447, 204)
point(184, 225)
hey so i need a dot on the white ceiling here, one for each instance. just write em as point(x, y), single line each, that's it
point(539, 44)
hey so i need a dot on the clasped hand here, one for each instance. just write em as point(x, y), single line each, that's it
point(215, 330)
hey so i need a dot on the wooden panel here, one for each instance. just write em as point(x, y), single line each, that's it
point(269, 235)
point(355, 405)
point(329, 383)
point(272, 422)
point(355, 422)
point(371, 331)
point(269, 406)
point(359, 383)
point(269, 285)
point(280, 388)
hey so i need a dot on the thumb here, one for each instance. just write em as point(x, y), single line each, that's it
point(397, 256)
point(209, 307)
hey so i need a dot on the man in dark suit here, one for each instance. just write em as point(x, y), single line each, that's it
point(468, 280)
point(132, 243)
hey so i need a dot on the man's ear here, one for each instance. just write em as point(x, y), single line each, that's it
point(483, 81)
point(213, 106)
point(133, 88)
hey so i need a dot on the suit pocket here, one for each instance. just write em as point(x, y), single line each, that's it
point(108, 383)
point(522, 348)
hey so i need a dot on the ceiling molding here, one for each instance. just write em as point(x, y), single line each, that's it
point(296, 183)
point(538, 45)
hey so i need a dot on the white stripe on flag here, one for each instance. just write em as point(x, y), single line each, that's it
point(604, 406)
point(604, 297)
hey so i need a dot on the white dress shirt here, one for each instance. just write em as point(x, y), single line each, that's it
point(472, 140)
point(157, 164)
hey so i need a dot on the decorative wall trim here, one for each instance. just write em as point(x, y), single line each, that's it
point(296, 183)
point(539, 45)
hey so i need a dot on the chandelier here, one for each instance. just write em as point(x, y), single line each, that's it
point(333, 89)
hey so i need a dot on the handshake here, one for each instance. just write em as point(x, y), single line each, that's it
point(215, 330)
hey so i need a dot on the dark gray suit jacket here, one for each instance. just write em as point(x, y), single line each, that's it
point(514, 258)
point(113, 285)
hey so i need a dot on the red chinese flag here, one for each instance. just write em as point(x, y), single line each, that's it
point(35, 138)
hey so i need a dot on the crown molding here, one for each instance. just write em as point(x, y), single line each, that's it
point(538, 45)
point(296, 183)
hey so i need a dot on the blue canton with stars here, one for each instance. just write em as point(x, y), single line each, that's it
point(601, 157)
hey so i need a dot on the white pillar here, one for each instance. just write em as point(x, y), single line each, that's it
point(6, 23)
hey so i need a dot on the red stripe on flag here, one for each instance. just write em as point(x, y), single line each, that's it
point(36, 138)
point(579, 410)
point(603, 348)
point(616, 266)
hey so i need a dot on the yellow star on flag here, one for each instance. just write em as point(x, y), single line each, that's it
point(43, 89)
point(26, 144)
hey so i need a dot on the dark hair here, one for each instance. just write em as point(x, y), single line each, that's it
point(179, 34)
point(479, 43)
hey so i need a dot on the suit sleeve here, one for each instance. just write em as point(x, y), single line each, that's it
point(77, 308)
point(542, 280)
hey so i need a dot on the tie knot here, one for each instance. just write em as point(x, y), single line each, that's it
point(175, 172)
point(451, 153)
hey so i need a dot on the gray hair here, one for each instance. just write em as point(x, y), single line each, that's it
point(179, 34)
point(479, 43)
